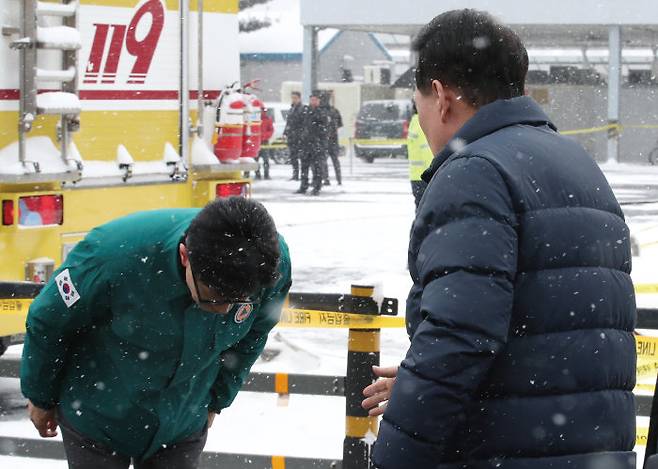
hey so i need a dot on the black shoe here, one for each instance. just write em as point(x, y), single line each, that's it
point(257, 176)
point(340, 183)
point(294, 178)
point(326, 182)
point(300, 191)
point(267, 177)
point(315, 192)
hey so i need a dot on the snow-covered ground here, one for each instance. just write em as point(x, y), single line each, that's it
point(355, 233)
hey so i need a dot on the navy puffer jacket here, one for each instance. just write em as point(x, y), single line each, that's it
point(522, 311)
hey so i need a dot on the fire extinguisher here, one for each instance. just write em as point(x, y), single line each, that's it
point(229, 125)
point(252, 121)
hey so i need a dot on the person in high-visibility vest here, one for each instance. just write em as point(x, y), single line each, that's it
point(420, 157)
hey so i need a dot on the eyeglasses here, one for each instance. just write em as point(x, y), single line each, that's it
point(219, 300)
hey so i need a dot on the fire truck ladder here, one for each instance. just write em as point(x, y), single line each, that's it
point(33, 38)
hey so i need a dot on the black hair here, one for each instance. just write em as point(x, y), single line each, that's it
point(296, 93)
point(469, 50)
point(233, 247)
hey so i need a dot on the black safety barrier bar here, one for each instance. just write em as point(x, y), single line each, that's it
point(361, 344)
point(342, 303)
point(42, 449)
point(316, 385)
point(19, 290)
point(647, 318)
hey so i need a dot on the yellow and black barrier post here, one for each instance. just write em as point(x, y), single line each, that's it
point(362, 354)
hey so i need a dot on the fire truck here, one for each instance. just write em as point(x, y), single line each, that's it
point(107, 107)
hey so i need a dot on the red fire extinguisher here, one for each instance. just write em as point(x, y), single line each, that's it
point(229, 125)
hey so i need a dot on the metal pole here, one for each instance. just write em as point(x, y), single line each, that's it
point(199, 124)
point(69, 60)
point(652, 437)
point(362, 353)
point(27, 86)
point(351, 150)
point(309, 61)
point(184, 89)
point(21, 87)
point(586, 64)
point(614, 89)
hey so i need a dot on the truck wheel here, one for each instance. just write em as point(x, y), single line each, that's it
point(369, 157)
point(4, 344)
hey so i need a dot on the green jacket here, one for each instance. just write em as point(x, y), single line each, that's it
point(132, 362)
point(420, 154)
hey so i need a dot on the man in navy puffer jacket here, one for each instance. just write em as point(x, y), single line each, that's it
point(522, 311)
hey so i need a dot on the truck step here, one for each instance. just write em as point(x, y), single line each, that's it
point(56, 9)
point(55, 75)
point(58, 102)
point(58, 37)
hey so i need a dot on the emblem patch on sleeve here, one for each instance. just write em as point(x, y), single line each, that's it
point(243, 313)
point(66, 288)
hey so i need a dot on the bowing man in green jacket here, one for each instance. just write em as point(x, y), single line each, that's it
point(149, 329)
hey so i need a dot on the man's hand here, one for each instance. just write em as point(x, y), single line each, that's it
point(211, 418)
point(45, 421)
point(380, 391)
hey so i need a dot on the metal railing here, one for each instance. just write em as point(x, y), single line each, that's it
point(357, 311)
point(364, 318)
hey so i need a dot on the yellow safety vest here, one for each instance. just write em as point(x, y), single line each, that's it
point(420, 154)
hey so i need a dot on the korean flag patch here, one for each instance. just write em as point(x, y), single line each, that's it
point(66, 288)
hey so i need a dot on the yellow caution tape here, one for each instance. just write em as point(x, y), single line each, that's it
point(588, 130)
point(641, 126)
point(273, 146)
point(307, 318)
point(605, 128)
point(649, 244)
point(646, 288)
point(379, 142)
point(647, 347)
point(647, 362)
point(645, 387)
point(592, 130)
point(641, 434)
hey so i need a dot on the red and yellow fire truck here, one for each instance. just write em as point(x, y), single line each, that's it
point(106, 107)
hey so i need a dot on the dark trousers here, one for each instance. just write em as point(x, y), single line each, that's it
point(325, 169)
point(295, 157)
point(313, 162)
point(265, 156)
point(336, 162)
point(83, 453)
point(418, 189)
